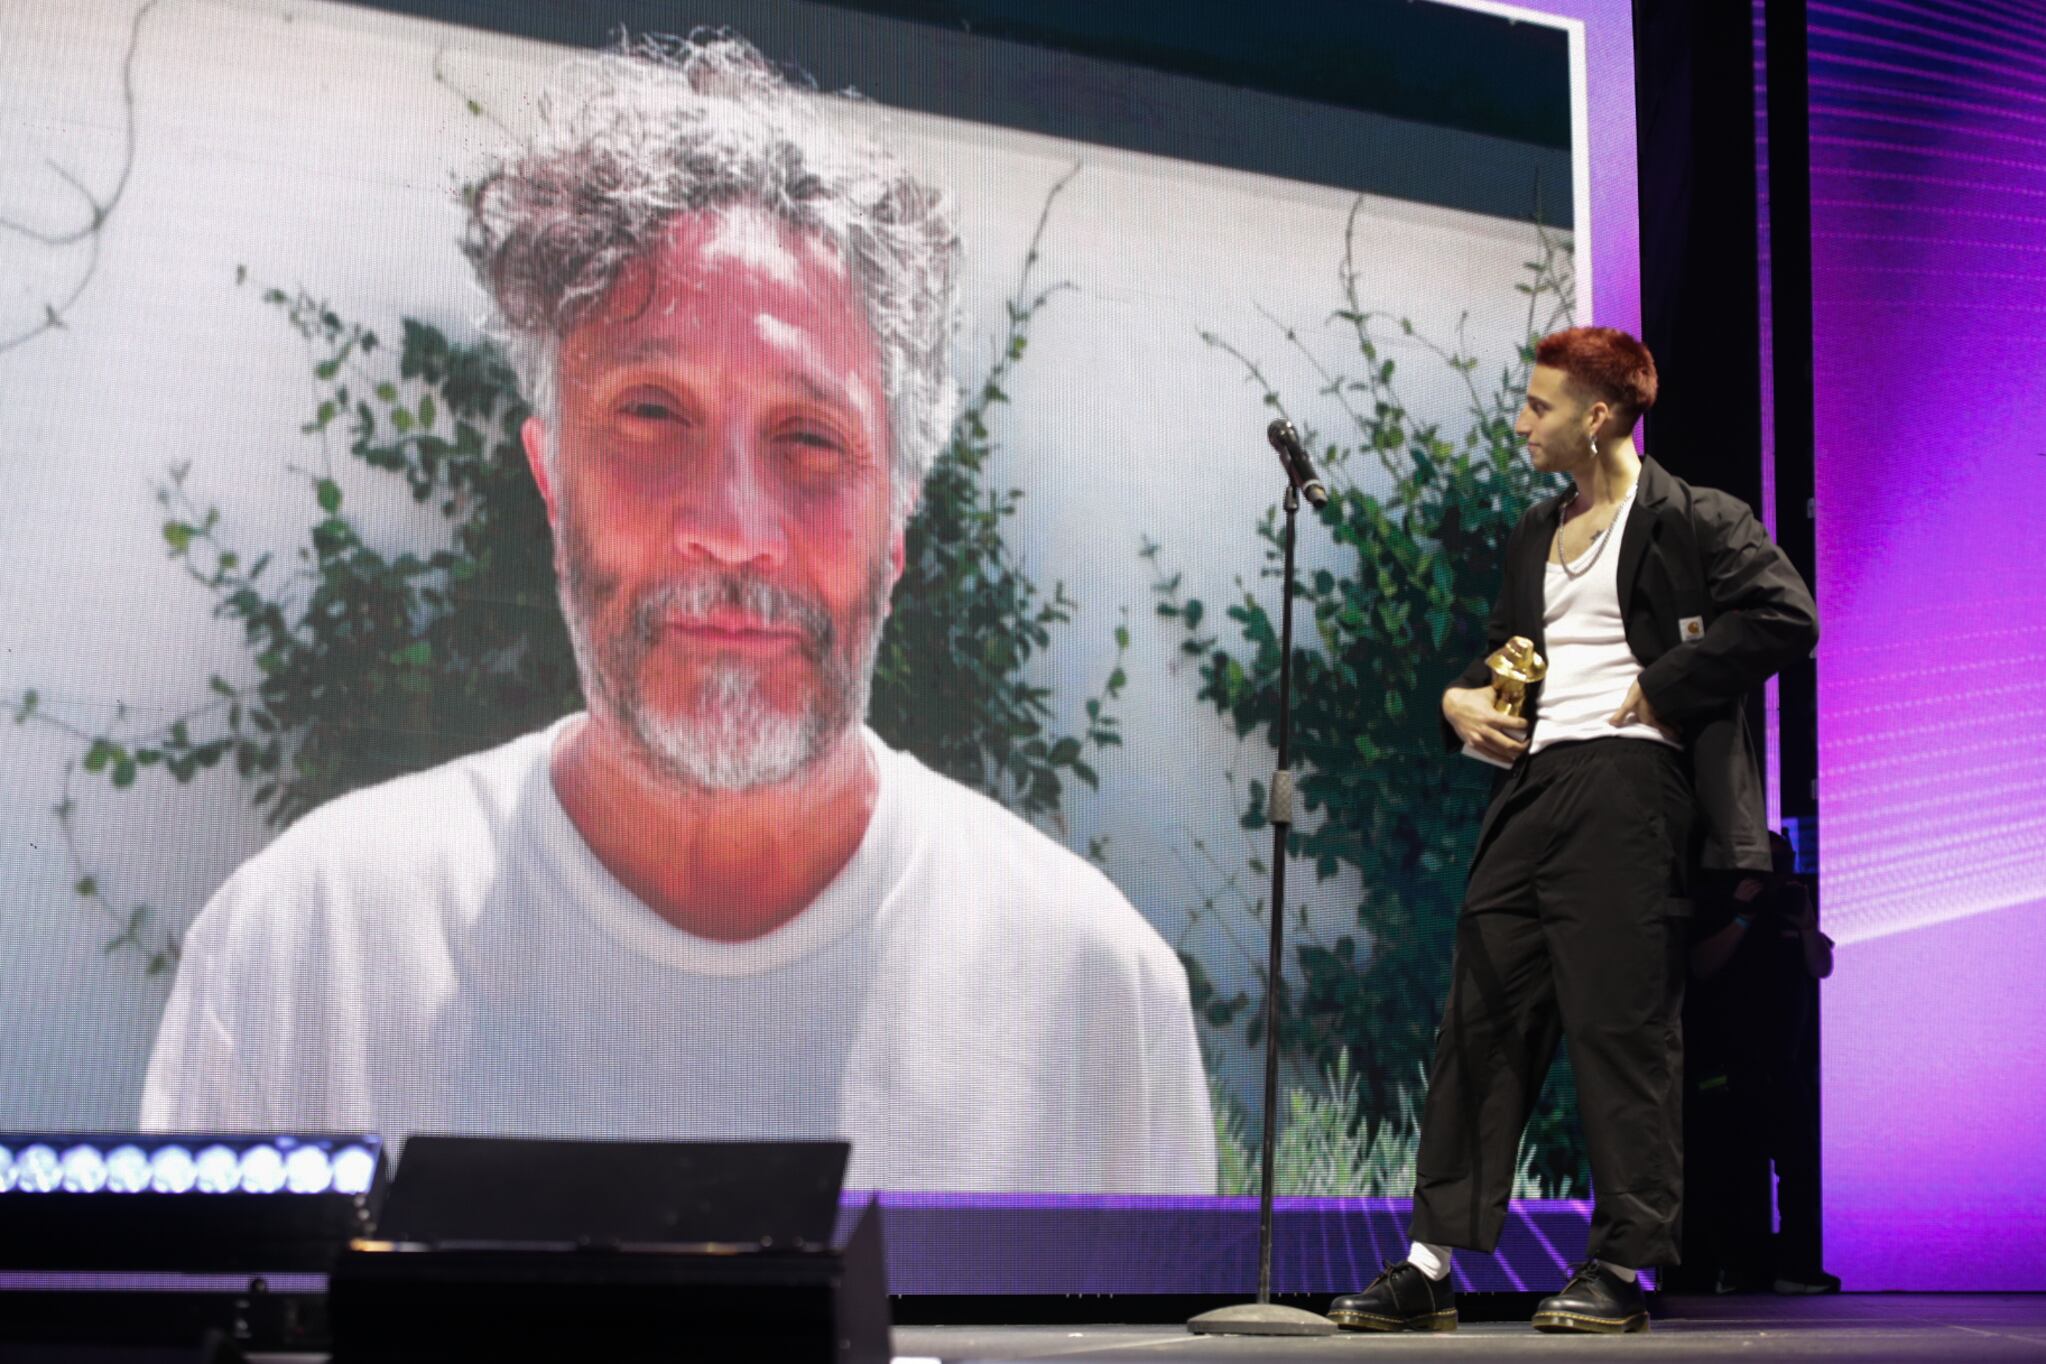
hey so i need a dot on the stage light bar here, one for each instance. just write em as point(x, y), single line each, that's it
point(184, 1201)
point(256, 1165)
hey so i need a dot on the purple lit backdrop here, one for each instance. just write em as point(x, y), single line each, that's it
point(1928, 142)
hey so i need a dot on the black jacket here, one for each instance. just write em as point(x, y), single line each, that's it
point(1685, 553)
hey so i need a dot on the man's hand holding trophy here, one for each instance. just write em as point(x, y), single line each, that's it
point(1489, 720)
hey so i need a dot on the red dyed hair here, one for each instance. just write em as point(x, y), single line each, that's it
point(1611, 364)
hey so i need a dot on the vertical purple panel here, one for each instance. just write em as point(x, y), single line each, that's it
point(1772, 692)
point(1928, 140)
point(1610, 153)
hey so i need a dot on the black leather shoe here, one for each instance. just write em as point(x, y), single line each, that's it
point(1805, 1285)
point(1595, 1299)
point(1400, 1299)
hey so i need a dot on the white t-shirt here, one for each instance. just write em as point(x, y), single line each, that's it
point(970, 1004)
point(1590, 665)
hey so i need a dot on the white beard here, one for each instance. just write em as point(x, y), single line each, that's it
point(730, 738)
point(735, 740)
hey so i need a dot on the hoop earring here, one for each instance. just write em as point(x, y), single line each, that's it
point(1592, 440)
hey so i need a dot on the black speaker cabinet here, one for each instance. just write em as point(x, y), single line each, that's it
point(505, 1250)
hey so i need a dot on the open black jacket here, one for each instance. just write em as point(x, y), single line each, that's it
point(1691, 555)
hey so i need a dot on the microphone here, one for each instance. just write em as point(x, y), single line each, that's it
point(1299, 468)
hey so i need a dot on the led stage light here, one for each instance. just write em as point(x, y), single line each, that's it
point(296, 1165)
point(189, 1202)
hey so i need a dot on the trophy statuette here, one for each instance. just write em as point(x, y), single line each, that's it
point(1515, 667)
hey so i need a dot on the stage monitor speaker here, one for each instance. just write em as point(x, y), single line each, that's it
point(519, 1250)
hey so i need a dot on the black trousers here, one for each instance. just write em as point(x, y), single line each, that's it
point(1573, 926)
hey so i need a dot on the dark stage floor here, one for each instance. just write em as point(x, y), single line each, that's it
point(1907, 1328)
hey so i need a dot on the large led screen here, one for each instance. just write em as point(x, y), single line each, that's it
point(1929, 320)
point(580, 579)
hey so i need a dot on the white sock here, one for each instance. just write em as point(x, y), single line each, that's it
point(1618, 1271)
point(1430, 1260)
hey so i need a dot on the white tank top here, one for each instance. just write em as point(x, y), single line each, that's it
point(1590, 665)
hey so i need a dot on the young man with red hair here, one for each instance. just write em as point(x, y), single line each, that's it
point(1658, 607)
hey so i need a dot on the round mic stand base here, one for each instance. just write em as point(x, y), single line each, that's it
point(1261, 1319)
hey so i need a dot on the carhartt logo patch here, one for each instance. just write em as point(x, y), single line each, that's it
point(1692, 627)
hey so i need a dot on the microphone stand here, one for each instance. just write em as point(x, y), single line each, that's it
point(1264, 1317)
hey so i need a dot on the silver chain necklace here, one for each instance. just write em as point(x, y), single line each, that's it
point(1597, 546)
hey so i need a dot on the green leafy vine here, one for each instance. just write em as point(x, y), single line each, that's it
point(970, 618)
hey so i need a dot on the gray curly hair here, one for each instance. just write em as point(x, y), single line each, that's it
point(628, 140)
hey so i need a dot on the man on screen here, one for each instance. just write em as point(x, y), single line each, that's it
point(714, 906)
point(1658, 607)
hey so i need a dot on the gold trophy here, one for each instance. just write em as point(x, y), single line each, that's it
point(1514, 668)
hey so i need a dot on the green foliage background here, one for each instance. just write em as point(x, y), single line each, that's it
point(969, 618)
